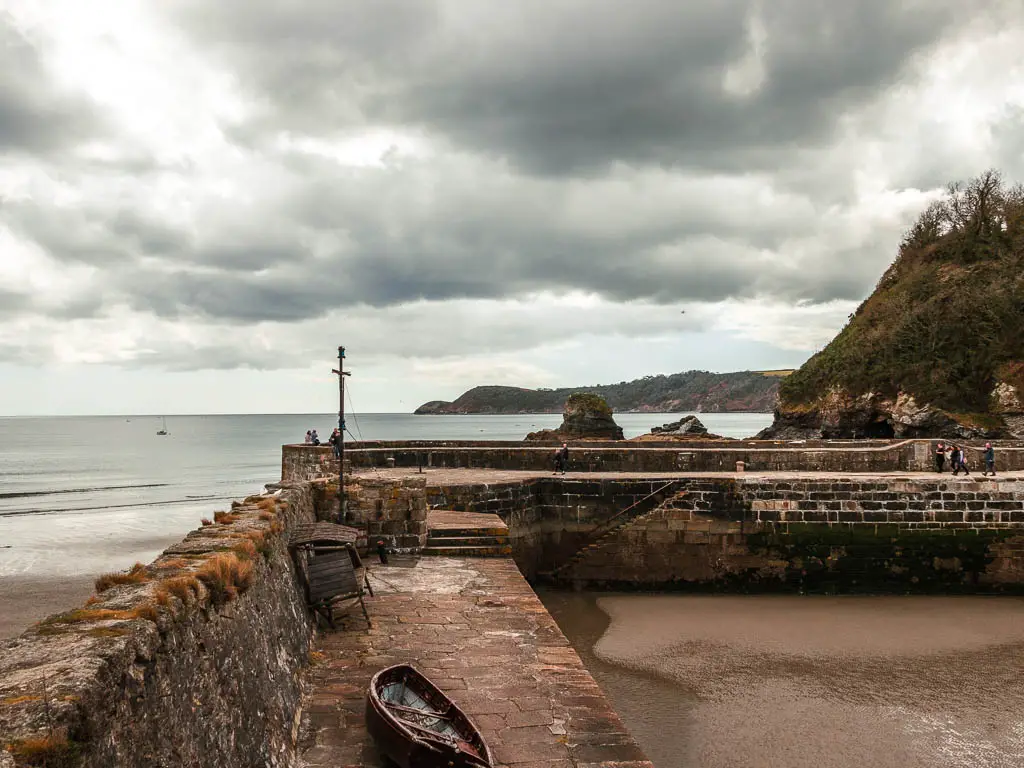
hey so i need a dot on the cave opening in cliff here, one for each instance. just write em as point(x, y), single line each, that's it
point(879, 429)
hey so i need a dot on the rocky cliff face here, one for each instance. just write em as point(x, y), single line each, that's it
point(937, 349)
point(585, 416)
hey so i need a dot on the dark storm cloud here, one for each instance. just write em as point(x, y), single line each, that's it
point(35, 116)
point(570, 87)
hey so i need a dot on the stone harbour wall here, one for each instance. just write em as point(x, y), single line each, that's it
point(394, 511)
point(302, 462)
point(194, 661)
point(833, 536)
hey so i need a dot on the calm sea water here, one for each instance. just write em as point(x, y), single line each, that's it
point(88, 494)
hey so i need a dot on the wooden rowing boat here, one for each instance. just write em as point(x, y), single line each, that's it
point(418, 726)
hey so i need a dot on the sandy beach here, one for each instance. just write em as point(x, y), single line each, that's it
point(26, 600)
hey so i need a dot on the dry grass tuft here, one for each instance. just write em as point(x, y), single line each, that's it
point(225, 576)
point(245, 549)
point(174, 562)
point(16, 700)
point(50, 752)
point(62, 622)
point(184, 588)
point(261, 543)
point(92, 600)
point(136, 575)
point(266, 516)
point(148, 611)
point(206, 521)
point(224, 518)
point(108, 632)
point(276, 527)
point(267, 504)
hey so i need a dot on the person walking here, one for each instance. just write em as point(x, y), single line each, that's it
point(940, 457)
point(954, 459)
point(564, 454)
point(558, 461)
point(990, 460)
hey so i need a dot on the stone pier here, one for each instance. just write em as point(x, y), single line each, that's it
point(476, 628)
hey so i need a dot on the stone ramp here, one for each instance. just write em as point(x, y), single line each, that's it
point(466, 534)
point(477, 629)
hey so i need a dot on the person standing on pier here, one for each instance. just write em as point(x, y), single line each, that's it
point(940, 457)
point(990, 460)
point(954, 459)
point(564, 454)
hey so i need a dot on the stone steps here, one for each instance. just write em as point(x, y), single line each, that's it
point(459, 533)
point(456, 538)
point(443, 550)
point(639, 511)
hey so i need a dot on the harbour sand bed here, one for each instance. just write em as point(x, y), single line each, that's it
point(829, 682)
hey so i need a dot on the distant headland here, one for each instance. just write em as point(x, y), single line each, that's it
point(742, 391)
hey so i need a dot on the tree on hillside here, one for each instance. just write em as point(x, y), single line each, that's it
point(944, 316)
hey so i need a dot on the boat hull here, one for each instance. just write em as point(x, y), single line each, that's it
point(419, 749)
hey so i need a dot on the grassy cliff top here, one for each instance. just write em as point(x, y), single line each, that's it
point(587, 401)
point(946, 321)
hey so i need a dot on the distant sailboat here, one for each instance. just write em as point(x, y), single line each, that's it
point(164, 430)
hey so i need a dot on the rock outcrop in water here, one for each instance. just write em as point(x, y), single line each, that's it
point(937, 350)
point(585, 416)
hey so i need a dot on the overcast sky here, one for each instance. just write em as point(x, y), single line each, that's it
point(199, 201)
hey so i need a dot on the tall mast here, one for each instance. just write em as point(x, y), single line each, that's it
point(341, 373)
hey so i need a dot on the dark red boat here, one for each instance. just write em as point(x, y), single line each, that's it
point(418, 726)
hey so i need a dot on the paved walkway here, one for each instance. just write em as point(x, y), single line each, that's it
point(469, 476)
point(476, 628)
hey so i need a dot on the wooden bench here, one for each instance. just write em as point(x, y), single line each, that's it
point(330, 566)
point(332, 578)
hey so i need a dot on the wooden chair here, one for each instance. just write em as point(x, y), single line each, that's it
point(332, 576)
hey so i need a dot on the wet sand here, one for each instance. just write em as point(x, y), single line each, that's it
point(796, 682)
point(40, 579)
point(24, 601)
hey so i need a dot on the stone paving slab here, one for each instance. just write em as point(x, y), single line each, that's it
point(470, 476)
point(477, 629)
point(444, 519)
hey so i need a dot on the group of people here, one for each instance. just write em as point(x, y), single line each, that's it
point(958, 459)
point(312, 438)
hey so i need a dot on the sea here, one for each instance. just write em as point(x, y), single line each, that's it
point(85, 495)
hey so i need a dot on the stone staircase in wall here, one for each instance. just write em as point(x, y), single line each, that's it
point(613, 526)
point(466, 535)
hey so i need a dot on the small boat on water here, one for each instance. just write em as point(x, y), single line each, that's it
point(163, 430)
point(418, 726)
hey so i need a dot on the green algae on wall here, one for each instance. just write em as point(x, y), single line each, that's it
point(882, 558)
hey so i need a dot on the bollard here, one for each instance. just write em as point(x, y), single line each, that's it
point(740, 466)
point(390, 462)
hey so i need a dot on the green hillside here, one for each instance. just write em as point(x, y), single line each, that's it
point(753, 391)
point(944, 326)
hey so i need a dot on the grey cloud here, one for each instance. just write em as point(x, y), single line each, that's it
point(569, 87)
point(35, 116)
